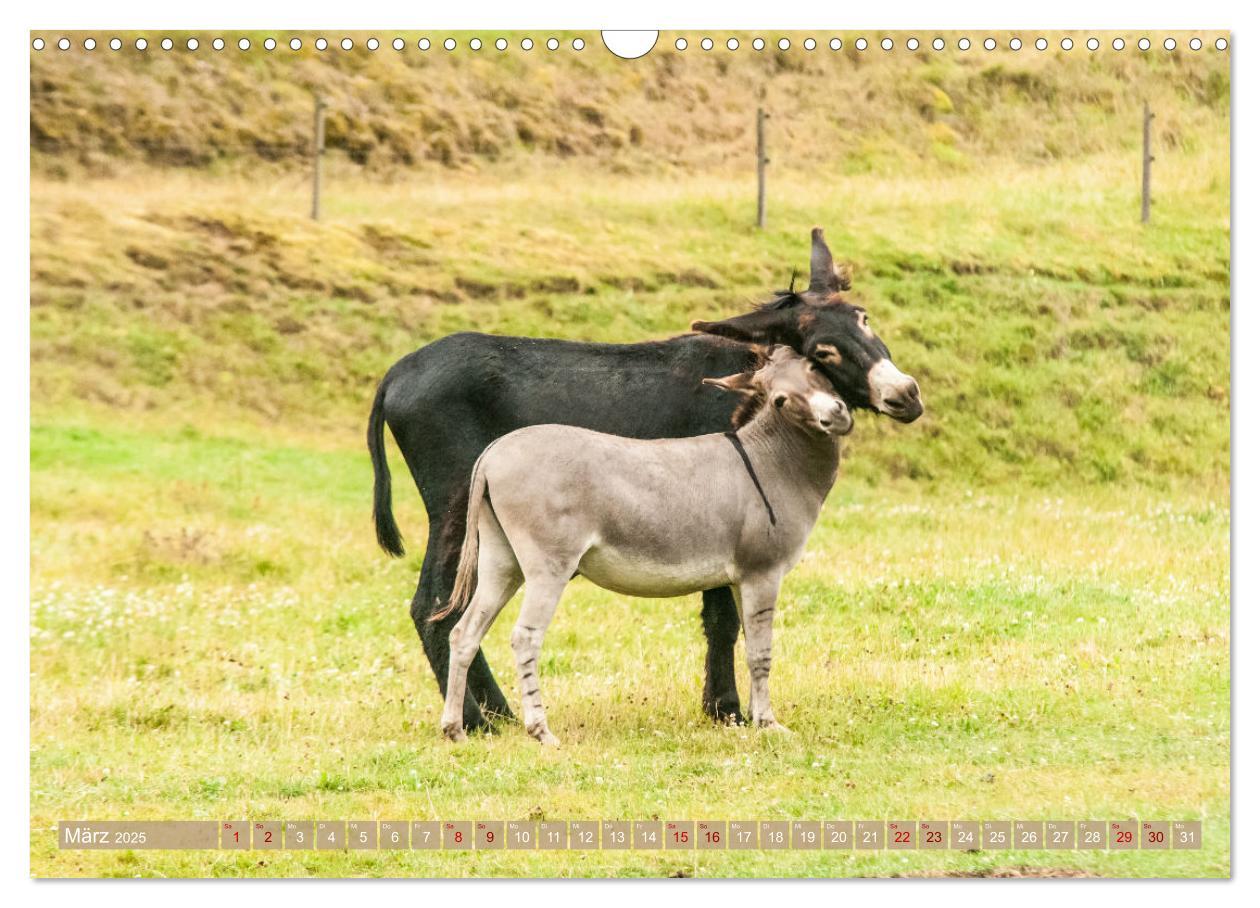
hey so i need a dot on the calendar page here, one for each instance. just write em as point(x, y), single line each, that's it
point(757, 453)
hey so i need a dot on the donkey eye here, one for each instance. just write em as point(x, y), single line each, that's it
point(780, 401)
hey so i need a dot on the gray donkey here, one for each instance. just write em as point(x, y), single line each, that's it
point(653, 518)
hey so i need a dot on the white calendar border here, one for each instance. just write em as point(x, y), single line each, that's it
point(1062, 14)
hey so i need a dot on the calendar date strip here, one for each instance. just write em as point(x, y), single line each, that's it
point(632, 835)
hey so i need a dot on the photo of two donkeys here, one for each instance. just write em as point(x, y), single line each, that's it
point(656, 469)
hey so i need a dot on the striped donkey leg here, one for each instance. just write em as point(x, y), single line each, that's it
point(542, 596)
point(757, 598)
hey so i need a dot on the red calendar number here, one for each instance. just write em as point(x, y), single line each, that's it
point(902, 835)
point(1123, 837)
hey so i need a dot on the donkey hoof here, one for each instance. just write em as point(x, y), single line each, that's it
point(542, 734)
point(724, 711)
point(772, 725)
point(454, 731)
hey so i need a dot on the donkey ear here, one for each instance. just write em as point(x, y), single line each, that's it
point(740, 383)
point(765, 326)
point(824, 276)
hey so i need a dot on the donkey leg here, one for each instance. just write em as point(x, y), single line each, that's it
point(484, 699)
point(721, 630)
point(498, 578)
point(441, 558)
point(431, 592)
point(757, 600)
point(542, 595)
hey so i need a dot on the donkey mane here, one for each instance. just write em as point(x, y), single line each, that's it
point(784, 299)
point(750, 404)
point(748, 407)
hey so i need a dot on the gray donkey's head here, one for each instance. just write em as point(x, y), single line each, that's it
point(793, 389)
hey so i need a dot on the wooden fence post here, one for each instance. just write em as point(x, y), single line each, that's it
point(1147, 116)
point(317, 156)
point(762, 161)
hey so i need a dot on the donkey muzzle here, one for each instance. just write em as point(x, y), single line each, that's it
point(831, 414)
point(894, 393)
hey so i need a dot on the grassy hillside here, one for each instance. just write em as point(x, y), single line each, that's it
point(987, 200)
point(854, 111)
point(1055, 338)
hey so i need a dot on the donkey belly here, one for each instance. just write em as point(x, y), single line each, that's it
point(643, 518)
point(633, 571)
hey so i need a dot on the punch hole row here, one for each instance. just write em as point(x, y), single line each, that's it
point(939, 44)
point(681, 44)
point(320, 44)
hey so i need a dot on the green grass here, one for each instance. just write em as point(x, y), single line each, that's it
point(214, 635)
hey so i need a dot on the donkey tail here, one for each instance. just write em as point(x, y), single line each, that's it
point(382, 495)
point(466, 574)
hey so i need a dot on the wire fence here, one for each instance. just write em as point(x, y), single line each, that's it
point(311, 151)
